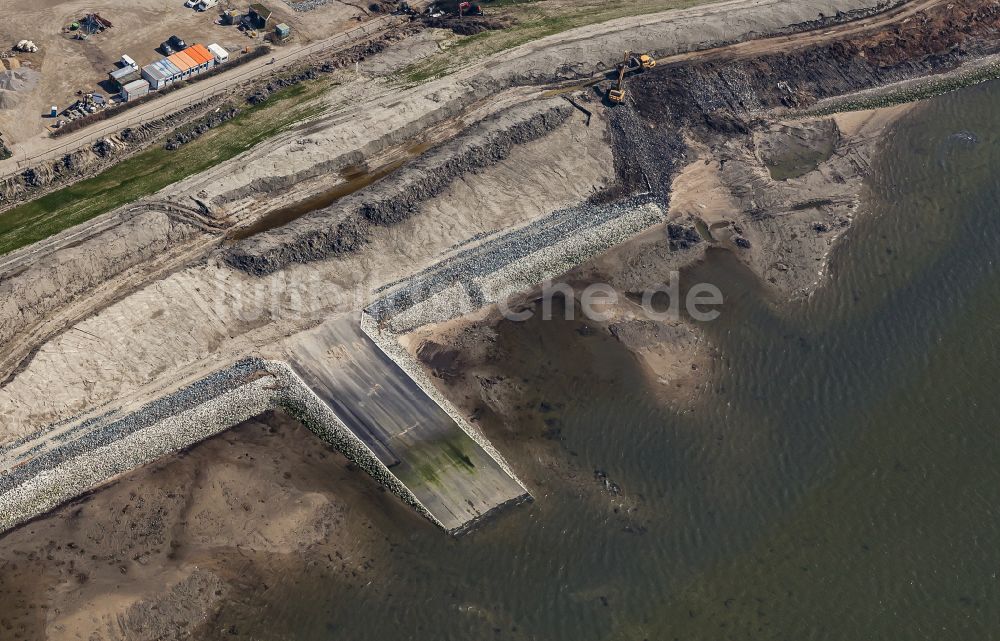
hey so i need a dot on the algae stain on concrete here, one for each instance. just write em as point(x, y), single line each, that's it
point(458, 456)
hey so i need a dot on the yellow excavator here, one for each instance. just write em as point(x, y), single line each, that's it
point(641, 62)
point(644, 61)
point(617, 94)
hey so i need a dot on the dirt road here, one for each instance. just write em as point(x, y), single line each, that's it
point(43, 147)
point(570, 49)
point(809, 38)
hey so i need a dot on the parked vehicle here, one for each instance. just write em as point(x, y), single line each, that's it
point(176, 43)
point(190, 3)
point(166, 48)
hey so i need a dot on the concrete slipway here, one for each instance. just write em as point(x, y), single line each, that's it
point(334, 379)
point(448, 472)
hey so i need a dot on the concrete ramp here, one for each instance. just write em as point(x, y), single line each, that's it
point(451, 475)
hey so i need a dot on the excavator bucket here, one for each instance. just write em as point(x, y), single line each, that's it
point(617, 94)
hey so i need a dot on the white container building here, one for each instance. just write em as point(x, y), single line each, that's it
point(161, 73)
point(220, 54)
point(135, 89)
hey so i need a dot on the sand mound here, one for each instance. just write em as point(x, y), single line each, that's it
point(21, 79)
point(7, 99)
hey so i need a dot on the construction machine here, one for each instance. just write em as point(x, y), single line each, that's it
point(644, 61)
point(469, 9)
point(617, 94)
point(630, 62)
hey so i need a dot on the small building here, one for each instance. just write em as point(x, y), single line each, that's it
point(174, 72)
point(202, 57)
point(220, 54)
point(161, 73)
point(258, 16)
point(124, 75)
point(282, 31)
point(230, 17)
point(135, 89)
point(154, 75)
point(182, 62)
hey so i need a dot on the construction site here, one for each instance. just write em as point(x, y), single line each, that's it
point(326, 234)
point(75, 47)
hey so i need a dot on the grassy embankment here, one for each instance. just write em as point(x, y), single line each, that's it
point(149, 171)
point(534, 19)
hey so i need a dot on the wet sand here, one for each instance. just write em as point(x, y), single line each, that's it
point(192, 545)
point(156, 554)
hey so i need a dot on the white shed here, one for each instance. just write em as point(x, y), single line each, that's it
point(135, 89)
point(220, 54)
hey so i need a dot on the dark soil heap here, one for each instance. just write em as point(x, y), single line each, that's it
point(720, 97)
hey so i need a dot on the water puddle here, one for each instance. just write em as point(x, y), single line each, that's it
point(703, 230)
point(354, 178)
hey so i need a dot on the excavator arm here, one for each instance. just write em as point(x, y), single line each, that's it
point(617, 94)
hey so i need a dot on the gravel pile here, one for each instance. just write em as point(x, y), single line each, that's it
point(558, 233)
point(200, 127)
point(98, 450)
point(13, 82)
point(22, 79)
point(307, 5)
point(646, 159)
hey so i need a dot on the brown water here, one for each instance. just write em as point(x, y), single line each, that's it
point(353, 178)
point(840, 483)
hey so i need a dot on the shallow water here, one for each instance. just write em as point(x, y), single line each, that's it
point(838, 481)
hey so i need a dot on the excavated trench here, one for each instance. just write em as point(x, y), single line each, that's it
point(355, 178)
point(346, 224)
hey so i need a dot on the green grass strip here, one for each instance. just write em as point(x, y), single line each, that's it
point(150, 171)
